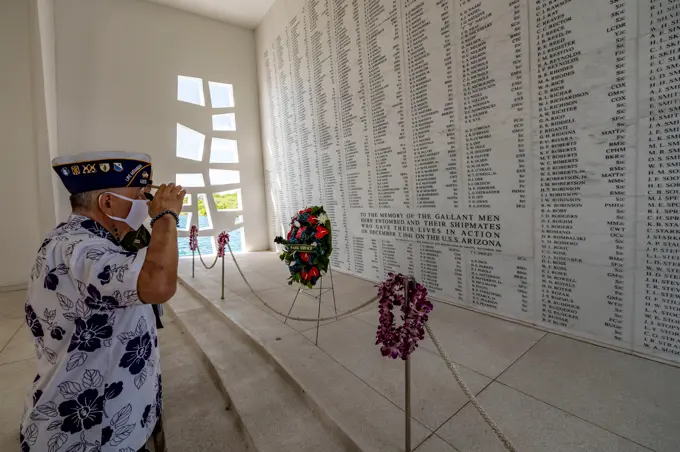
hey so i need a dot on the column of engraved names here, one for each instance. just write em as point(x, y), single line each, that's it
point(325, 107)
point(501, 283)
point(520, 122)
point(617, 173)
point(582, 129)
point(560, 175)
point(495, 83)
point(302, 106)
point(659, 234)
point(352, 102)
point(273, 194)
point(442, 271)
point(280, 182)
point(476, 80)
point(352, 91)
point(289, 128)
point(431, 97)
point(388, 136)
point(485, 284)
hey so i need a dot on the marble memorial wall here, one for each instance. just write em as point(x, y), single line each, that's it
point(519, 157)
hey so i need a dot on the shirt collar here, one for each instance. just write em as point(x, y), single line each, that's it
point(80, 221)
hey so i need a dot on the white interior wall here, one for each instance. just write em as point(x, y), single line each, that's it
point(20, 230)
point(117, 67)
point(43, 70)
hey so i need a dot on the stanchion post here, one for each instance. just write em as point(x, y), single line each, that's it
point(407, 381)
point(318, 315)
point(222, 276)
point(193, 262)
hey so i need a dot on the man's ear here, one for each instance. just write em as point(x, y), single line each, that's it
point(104, 202)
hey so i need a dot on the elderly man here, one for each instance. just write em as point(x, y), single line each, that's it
point(98, 382)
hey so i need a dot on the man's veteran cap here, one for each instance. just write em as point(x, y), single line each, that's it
point(101, 170)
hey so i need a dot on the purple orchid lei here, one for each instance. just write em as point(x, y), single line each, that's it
point(222, 241)
point(400, 342)
point(193, 238)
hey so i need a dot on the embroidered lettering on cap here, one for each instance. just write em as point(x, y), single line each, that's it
point(132, 173)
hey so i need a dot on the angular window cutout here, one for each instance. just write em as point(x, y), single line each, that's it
point(184, 221)
point(223, 151)
point(205, 244)
point(190, 180)
point(237, 240)
point(224, 177)
point(187, 200)
point(190, 143)
point(239, 220)
point(190, 90)
point(228, 200)
point(221, 95)
point(225, 122)
point(204, 218)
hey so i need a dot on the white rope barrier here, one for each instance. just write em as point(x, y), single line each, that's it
point(452, 367)
point(198, 248)
point(454, 371)
point(300, 319)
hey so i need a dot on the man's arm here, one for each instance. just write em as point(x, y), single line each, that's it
point(157, 281)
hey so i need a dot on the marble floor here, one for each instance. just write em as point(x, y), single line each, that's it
point(546, 392)
point(202, 425)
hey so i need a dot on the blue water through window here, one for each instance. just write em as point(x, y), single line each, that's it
point(208, 244)
point(202, 223)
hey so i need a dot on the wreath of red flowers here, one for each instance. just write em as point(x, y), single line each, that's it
point(308, 246)
point(401, 341)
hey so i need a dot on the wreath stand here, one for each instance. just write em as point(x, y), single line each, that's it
point(317, 295)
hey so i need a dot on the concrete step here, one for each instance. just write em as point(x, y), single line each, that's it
point(274, 414)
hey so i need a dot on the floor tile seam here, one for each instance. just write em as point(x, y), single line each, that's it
point(493, 380)
point(327, 322)
point(458, 411)
point(509, 366)
point(12, 338)
point(366, 383)
point(568, 413)
point(17, 361)
point(433, 434)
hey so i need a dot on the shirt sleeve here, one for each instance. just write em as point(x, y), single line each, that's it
point(106, 275)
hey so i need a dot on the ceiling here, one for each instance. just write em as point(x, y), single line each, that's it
point(244, 13)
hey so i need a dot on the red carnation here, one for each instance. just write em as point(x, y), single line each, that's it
point(304, 275)
point(321, 232)
point(314, 272)
point(304, 257)
point(300, 232)
point(312, 219)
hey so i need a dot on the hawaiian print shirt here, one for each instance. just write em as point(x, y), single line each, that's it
point(98, 384)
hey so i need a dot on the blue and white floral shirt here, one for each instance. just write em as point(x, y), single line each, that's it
point(98, 384)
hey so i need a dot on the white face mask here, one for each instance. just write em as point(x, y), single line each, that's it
point(138, 212)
